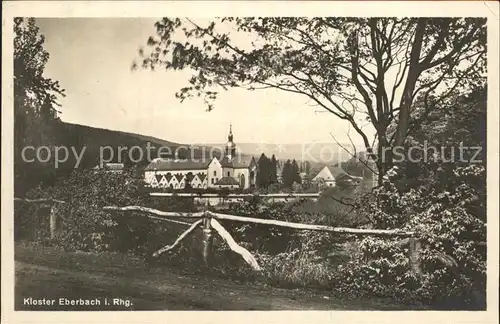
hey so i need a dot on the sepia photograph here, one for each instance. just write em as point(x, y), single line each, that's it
point(235, 163)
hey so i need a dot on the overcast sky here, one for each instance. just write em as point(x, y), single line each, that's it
point(91, 58)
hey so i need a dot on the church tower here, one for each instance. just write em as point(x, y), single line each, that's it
point(230, 146)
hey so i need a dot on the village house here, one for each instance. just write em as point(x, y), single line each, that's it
point(110, 167)
point(231, 171)
point(329, 176)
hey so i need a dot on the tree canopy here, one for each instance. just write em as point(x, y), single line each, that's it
point(35, 99)
point(366, 71)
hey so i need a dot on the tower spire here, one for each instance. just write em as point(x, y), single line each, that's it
point(230, 147)
point(230, 136)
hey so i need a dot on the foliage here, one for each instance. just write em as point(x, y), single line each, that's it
point(444, 201)
point(266, 171)
point(290, 174)
point(359, 166)
point(358, 69)
point(86, 226)
point(34, 99)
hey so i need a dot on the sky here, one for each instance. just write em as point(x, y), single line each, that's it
point(92, 59)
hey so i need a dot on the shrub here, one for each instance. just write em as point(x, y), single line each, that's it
point(87, 227)
point(453, 260)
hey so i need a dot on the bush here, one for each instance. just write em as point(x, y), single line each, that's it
point(87, 227)
point(453, 260)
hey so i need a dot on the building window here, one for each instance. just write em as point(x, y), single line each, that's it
point(228, 173)
point(215, 173)
point(213, 180)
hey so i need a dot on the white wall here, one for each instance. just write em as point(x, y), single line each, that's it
point(228, 170)
point(214, 173)
point(214, 166)
point(149, 177)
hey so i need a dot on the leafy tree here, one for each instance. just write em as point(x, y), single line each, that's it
point(358, 166)
point(358, 69)
point(267, 171)
point(35, 98)
point(274, 169)
point(296, 172)
point(288, 174)
point(297, 187)
point(442, 197)
point(263, 172)
point(274, 188)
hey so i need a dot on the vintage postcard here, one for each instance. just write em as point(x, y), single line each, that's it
point(336, 161)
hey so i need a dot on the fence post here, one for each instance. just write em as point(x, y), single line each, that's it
point(36, 222)
point(53, 221)
point(207, 240)
point(414, 251)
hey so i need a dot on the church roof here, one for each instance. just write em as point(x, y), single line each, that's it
point(227, 181)
point(239, 161)
point(172, 165)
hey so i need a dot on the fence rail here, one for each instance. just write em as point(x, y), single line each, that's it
point(272, 222)
point(241, 195)
point(208, 220)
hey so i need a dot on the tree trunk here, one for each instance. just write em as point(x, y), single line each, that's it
point(414, 72)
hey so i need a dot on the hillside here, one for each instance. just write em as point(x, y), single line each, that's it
point(93, 139)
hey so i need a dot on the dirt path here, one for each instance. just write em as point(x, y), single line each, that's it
point(53, 274)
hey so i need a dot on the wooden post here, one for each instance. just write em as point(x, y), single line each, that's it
point(207, 240)
point(36, 222)
point(53, 221)
point(414, 251)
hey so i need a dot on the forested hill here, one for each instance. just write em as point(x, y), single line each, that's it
point(84, 145)
point(96, 139)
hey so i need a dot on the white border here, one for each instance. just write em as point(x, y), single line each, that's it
point(249, 8)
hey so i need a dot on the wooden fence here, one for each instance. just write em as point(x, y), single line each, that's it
point(209, 221)
point(54, 216)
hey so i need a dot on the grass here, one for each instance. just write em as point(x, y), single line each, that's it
point(43, 272)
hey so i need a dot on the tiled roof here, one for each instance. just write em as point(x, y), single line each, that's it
point(172, 165)
point(239, 161)
point(226, 181)
point(337, 172)
point(179, 177)
point(158, 178)
point(201, 176)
